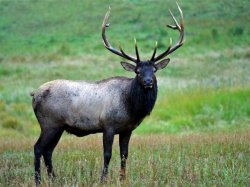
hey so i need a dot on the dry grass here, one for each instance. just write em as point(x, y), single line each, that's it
point(154, 160)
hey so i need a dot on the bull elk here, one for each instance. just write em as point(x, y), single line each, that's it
point(116, 105)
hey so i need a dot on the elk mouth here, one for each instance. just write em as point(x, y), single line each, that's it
point(148, 86)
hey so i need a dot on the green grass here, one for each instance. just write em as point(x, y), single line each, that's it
point(189, 99)
point(199, 110)
point(62, 28)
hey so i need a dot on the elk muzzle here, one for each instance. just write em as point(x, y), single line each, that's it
point(148, 82)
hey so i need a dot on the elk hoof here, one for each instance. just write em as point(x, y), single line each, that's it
point(122, 175)
point(103, 179)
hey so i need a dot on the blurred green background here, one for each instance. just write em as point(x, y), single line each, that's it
point(206, 87)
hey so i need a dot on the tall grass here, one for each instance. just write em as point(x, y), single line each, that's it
point(202, 109)
point(156, 160)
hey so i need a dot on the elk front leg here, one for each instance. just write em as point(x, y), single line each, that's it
point(108, 138)
point(124, 142)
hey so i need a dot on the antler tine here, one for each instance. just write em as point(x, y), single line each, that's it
point(177, 26)
point(162, 55)
point(104, 25)
point(181, 30)
point(182, 18)
point(180, 42)
point(155, 49)
point(136, 51)
point(124, 55)
point(108, 45)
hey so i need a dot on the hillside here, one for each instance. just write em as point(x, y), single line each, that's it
point(31, 28)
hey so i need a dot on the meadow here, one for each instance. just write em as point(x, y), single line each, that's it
point(198, 133)
point(209, 159)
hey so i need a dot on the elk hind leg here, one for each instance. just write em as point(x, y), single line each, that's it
point(44, 147)
point(37, 163)
point(51, 141)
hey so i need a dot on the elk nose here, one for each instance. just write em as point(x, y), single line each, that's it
point(148, 82)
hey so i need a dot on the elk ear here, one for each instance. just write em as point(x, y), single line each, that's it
point(128, 67)
point(162, 64)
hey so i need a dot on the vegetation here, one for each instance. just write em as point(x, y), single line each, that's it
point(156, 160)
point(51, 29)
point(203, 109)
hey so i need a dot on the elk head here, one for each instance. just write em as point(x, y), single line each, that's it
point(145, 70)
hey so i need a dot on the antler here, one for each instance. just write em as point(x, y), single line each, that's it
point(113, 50)
point(179, 43)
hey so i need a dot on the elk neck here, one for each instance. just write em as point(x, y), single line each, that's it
point(141, 101)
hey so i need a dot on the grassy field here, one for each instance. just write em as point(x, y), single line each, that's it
point(198, 133)
point(155, 160)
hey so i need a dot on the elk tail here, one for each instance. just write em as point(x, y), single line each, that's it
point(32, 94)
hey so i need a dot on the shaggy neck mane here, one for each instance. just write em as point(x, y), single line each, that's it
point(141, 100)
